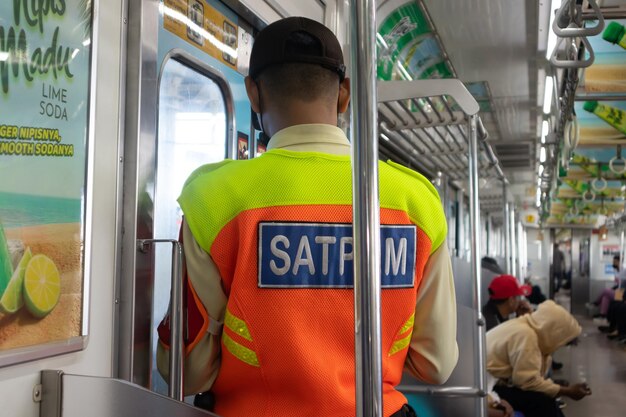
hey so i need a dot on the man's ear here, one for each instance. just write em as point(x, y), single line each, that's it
point(344, 96)
point(252, 89)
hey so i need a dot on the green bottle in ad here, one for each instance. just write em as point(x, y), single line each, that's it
point(612, 115)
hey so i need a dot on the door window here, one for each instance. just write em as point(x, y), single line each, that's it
point(193, 131)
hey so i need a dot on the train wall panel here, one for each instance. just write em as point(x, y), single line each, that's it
point(17, 382)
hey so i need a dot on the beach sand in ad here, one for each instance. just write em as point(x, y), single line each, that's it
point(601, 136)
point(605, 78)
point(61, 243)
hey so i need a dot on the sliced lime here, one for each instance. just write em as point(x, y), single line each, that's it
point(42, 286)
point(12, 299)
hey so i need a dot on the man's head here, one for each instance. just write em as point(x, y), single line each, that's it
point(505, 291)
point(554, 325)
point(297, 75)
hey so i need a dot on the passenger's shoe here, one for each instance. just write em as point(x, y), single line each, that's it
point(556, 365)
point(613, 335)
point(560, 402)
point(605, 329)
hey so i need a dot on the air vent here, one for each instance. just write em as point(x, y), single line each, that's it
point(514, 154)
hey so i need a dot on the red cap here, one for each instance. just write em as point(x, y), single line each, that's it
point(505, 286)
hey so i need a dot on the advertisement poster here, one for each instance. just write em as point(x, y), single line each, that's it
point(407, 48)
point(44, 106)
point(601, 123)
point(609, 251)
point(204, 27)
point(607, 74)
point(242, 145)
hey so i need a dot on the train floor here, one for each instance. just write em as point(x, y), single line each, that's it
point(599, 362)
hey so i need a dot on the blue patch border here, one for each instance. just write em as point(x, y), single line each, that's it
point(283, 223)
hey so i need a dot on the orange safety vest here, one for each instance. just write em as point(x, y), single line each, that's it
point(278, 228)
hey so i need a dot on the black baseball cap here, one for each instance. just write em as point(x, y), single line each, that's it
point(273, 45)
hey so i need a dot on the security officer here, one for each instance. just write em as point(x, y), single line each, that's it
point(269, 256)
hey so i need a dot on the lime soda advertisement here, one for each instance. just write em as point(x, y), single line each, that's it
point(45, 49)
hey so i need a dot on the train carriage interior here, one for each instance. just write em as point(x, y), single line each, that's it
point(514, 111)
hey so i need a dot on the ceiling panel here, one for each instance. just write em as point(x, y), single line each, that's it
point(496, 42)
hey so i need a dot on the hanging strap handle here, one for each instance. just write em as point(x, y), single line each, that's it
point(573, 29)
point(618, 157)
point(572, 63)
point(599, 180)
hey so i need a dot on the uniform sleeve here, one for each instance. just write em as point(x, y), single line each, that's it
point(527, 362)
point(433, 351)
point(202, 358)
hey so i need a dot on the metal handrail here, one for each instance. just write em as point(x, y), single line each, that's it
point(476, 136)
point(443, 391)
point(176, 354)
point(65, 395)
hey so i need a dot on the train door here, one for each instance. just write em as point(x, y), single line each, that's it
point(186, 107)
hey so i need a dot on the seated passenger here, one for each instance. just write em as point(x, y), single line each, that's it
point(616, 316)
point(608, 294)
point(536, 297)
point(518, 354)
point(504, 300)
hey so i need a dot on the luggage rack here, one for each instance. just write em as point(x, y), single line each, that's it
point(430, 133)
point(424, 125)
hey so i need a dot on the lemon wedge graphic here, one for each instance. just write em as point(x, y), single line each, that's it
point(42, 286)
point(12, 299)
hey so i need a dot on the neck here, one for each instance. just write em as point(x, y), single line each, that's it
point(298, 113)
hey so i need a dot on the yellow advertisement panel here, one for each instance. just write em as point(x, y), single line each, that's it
point(44, 112)
point(204, 27)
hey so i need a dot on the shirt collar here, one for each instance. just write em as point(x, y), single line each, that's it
point(312, 138)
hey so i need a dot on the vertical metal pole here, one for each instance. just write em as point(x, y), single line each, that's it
point(175, 389)
point(177, 342)
point(512, 241)
point(366, 210)
point(475, 259)
point(551, 263)
point(524, 248)
point(460, 230)
point(489, 232)
point(621, 253)
point(505, 228)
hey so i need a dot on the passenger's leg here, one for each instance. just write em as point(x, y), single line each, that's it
point(611, 316)
point(531, 403)
point(605, 299)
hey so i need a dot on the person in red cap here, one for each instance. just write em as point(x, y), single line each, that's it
point(505, 299)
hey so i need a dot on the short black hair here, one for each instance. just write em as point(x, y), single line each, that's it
point(303, 81)
point(306, 82)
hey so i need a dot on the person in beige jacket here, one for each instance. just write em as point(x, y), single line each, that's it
point(518, 355)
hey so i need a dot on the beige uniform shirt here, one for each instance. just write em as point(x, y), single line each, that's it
point(433, 351)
